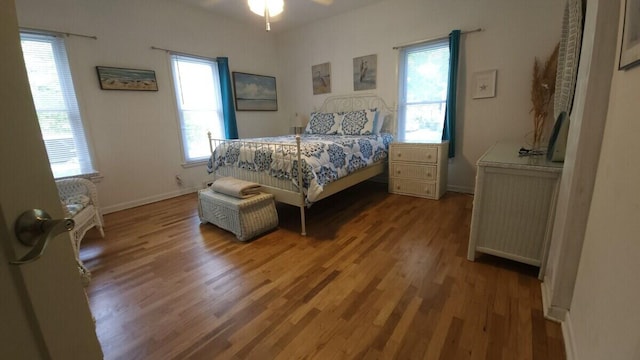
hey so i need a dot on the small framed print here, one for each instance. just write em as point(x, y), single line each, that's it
point(484, 84)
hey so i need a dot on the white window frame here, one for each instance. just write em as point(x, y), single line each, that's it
point(403, 103)
point(216, 126)
point(81, 147)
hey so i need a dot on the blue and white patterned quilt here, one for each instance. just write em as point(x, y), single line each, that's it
point(325, 158)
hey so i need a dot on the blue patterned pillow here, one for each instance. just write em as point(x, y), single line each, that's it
point(358, 122)
point(323, 123)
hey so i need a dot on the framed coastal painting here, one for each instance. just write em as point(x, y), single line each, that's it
point(255, 92)
point(630, 48)
point(364, 72)
point(113, 78)
point(321, 78)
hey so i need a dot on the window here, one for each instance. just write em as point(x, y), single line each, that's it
point(55, 101)
point(199, 104)
point(423, 74)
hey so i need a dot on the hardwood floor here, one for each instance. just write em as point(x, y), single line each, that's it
point(380, 276)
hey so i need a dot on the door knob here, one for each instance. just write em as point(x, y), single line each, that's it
point(35, 228)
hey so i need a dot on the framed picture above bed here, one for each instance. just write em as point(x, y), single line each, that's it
point(364, 72)
point(255, 92)
point(321, 78)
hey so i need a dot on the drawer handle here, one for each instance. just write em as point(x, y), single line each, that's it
point(398, 187)
point(429, 156)
point(399, 154)
point(399, 172)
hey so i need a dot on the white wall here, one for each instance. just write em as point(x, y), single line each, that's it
point(604, 319)
point(134, 135)
point(515, 33)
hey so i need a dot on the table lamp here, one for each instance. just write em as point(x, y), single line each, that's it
point(297, 123)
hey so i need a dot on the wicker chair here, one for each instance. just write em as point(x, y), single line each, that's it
point(79, 199)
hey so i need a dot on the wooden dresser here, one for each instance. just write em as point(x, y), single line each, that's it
point(418, 168)
point(514, 205)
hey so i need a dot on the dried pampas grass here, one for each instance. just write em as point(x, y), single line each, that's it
point(543, 88)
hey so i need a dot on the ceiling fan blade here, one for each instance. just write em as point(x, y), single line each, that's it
point(324, 2)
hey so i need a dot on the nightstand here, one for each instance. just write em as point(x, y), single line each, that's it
point(418, 168)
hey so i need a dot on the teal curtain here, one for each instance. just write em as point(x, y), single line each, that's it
point(228, 111)
point(449, 129)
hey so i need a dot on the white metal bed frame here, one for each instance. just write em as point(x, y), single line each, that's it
point(283, 189)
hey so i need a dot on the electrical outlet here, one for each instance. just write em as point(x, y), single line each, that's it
point(178, 180)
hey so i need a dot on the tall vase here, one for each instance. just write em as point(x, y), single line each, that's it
point(538, 130)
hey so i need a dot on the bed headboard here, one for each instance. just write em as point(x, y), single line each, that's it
point(351, 102)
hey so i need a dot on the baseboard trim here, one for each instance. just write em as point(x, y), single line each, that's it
point(552, 313)
point(567, 334)
point(151, 199)
point(460, 189)
point(563, 316)
point(147, 200)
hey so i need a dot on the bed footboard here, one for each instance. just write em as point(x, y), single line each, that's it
point(283, 189)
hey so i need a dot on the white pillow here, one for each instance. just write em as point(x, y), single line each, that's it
point(359, 122)
point(381, 116)
point(323, 123)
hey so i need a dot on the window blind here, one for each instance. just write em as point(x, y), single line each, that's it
point(56, 105)
point(197, 87)
point(422, 94)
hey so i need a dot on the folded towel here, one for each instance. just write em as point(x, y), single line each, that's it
point(235, 187)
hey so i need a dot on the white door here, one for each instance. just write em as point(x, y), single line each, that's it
point(43, 308)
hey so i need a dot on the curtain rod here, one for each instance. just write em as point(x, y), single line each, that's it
point(54, 32)
point(434, 39)
point(184, 53)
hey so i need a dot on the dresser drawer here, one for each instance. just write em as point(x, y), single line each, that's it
point(413, 153)
point(413, 188)
point(412, 171)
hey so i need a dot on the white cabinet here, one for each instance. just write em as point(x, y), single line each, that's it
point(418, 168)
point(514, 205)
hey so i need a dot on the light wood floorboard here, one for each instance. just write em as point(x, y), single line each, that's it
point(379, 276)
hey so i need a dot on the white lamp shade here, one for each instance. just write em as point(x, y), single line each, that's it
point(275, 6)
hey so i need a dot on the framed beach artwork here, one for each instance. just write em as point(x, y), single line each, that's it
point(255, 92)
point(364, 72)
point(630, 51)
point(321, 78)
point(484, 84)
point(113, 78)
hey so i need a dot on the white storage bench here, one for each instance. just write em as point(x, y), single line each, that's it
point(246, 218)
